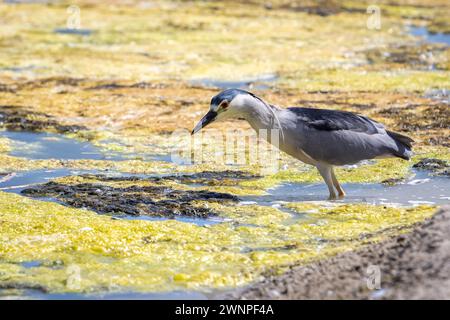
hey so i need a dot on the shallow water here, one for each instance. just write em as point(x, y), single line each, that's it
point(42, 145)
point(81, 32)
point(421, 188)
point(442, 95)
point(430, 37)
point(17, 181)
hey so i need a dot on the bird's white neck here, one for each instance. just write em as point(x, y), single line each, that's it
point(259, 114)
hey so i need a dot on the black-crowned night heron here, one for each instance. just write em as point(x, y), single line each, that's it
point(322, 138)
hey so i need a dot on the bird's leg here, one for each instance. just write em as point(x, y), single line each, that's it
point(341, 192)
point(326, 173)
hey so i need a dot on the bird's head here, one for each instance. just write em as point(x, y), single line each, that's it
point(230, 103)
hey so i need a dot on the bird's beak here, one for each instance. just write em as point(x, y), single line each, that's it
point(207, 119)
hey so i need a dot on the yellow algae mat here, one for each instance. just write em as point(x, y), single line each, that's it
point(81, 251)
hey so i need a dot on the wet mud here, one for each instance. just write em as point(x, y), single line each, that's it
point(425, 56)
point(431, 121)
point(214, 178)
point(19, 118)
point(437, 166)
point(151, 200)
point(322, 8)
point(115, 85)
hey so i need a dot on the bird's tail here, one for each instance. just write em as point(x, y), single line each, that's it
point(404, 145)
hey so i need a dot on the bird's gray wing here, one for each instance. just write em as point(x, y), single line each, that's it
point(339, 137)
point(332, 120)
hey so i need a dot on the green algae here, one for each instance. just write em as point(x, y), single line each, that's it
point(5, 145)
point(11, 163)
point(360, 222)
point(403, 80)
point(441, 153)
point(81, 251)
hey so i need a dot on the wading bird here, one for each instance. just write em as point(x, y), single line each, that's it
point(319, 137)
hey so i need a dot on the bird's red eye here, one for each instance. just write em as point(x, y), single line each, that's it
point(224, 105)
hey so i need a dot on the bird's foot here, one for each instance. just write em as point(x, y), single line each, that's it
point(341, 195)
point(332, 197)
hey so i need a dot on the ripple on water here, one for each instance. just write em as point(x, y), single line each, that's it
point(421, 188)
point(17, 181)
point(42, 145)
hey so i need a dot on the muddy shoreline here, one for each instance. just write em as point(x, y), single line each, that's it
point(412, 266)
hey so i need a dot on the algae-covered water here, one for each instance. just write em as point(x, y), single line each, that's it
point(96, 203)
point(294, 209)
